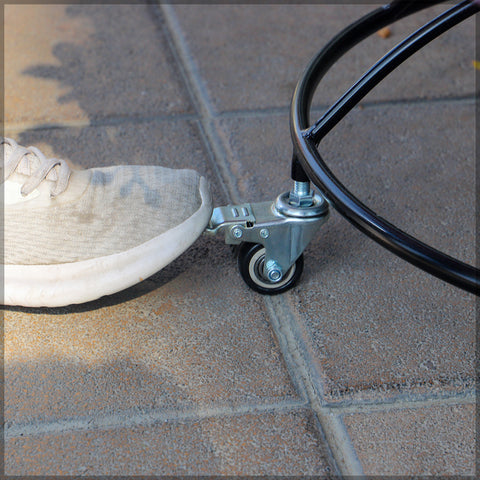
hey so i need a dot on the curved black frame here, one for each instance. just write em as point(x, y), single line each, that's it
point(307, 164)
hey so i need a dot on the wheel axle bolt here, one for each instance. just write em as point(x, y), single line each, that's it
point(237, 232)
point(273, 271)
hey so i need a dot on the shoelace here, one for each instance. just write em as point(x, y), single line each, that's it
point(35, 165)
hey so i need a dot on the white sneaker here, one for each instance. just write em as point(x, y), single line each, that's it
point(71, 236)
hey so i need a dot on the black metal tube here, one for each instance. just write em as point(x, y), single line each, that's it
point(337, 47)
point(342, 43)
point(349, 37)
point(306, 152)
point(405, 246)
point(388, 63)
point(298, 173)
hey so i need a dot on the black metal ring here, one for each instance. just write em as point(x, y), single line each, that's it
point(307, 160)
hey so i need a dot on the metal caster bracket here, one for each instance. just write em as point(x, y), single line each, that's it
point(284, 227)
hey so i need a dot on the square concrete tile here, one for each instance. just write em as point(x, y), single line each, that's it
point(251, 56)
point(100, 61)
point(189, 338)
point(280, 443)
point(190, 335)
point(374, 324)
point(437, 440)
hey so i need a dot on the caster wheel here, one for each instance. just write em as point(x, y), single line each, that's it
point(251, 259)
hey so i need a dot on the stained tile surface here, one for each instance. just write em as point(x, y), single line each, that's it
point(78, 74)
point(438, 441)
point(269, 444)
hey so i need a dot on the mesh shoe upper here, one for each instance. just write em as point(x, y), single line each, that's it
point(101, 212)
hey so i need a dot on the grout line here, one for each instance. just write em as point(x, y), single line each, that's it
point(26, 126)
point(467, 98)
point(319, 108)
point(130, 419)
point(103, 122)
point(294, 351)
point(217, 145)
point(230, 114)
point(412, 402)
point(398, 399)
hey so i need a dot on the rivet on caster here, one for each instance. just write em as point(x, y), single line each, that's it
point(272, 236)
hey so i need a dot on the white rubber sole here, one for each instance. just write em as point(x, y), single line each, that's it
point(80, 282)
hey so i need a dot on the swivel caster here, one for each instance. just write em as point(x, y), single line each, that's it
point(251, 263)
point(271, 236)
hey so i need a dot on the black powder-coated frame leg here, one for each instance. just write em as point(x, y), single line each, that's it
point(307, 163)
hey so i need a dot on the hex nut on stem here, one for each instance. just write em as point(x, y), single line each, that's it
point(273, 271)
